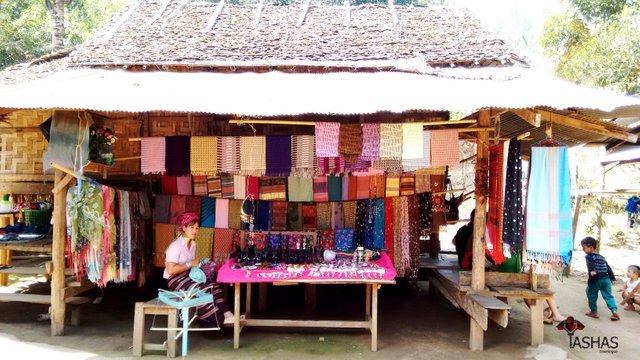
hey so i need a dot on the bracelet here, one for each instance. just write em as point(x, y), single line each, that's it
point(188, 265)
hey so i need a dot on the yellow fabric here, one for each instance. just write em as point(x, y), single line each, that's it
point(204, 155)
point(253, 158)
point(204, 243)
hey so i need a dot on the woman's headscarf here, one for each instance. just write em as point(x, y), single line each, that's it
point(187, 218)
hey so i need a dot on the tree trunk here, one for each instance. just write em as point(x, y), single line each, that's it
point(58, 26)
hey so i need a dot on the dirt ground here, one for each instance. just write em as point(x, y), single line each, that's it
point(413, 324)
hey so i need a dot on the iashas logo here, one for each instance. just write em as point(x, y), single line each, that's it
point(606, 344)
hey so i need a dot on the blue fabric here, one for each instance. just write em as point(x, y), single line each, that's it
point(603, 286)
point(378, 224)
point(68, 129)
point(208, 212)
point(632, 204)
point(263, 219)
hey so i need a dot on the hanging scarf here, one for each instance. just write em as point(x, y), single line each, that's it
point(253, 187)
point(294, 217)
point(370, 142)
point(200, 185)
point(204, 155)
point(378, 223)
point(330, 165)
point(393, 186)
point(496, 194)
point(345, 187)
point(279, 220)
point(405, 236)
point(425, 213)
point(222, 244)
point(177, 155)
point(309, 214)
point(389, 166)
point(235, 206)
point(169, 185)
point(362, 187)
point(512, 230)
point(327, 240)
point(327, 139)
point(273, 188)
point(278, 155)
point(549, 232)
point(407, 185)
point(214, 186)
point(229, 154)
point(323, 219)
point(412, 141)
point(353, 187)
point(178, 204)
point(337, 216)
point(377, 186)
point(193, 204)
point(397, 236)
point(414, 237)
point(361, 223)
point(334, 185)
point(164, 236)
point(208, 212)
point(389, 227)
point(303, 155)
point(204, 243)
point(349, 211)
point(344, 239)
point(183, 185)
point(222, 214)
point(423, 183)
point(227, 186)
point(300, 189)
point(423, 159)
point(390, 141)
point(252, 155)
point(152, 155)
point(356, 165)
point(350, 142)
point(320, 189)
point(263, 220)
point(239, 187)
point(162, 210)
point(444, 148)
point(437, 203)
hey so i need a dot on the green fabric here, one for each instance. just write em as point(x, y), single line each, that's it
point(300, 188)
point(85, 216)
point(335, 188)
point(512, 264)
point(294, 217)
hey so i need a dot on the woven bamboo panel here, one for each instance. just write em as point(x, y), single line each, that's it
point(169, 124)
point(21, 153)
point(28, 118)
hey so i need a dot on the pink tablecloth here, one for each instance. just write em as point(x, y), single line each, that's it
point(228, 275)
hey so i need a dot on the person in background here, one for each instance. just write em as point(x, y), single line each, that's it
point(632, 209)
point(180, 258)
point(631, 290)
point(463, 242)
point(600, 279)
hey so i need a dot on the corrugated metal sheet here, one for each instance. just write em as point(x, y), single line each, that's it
point(625, 153)
point(277, 94)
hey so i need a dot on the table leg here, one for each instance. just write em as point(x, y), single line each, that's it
point(5, 259)
point(537, 325)
point(367, 304)
point(262, 297)
point(236, 316)
point(374, 317)
point(185, 331)
point(247, 310)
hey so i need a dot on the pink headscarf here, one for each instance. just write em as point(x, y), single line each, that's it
point(187, 218)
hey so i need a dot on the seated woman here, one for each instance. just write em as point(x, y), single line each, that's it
point(180, 258)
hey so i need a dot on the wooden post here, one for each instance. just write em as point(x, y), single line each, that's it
point(576, 217)
point(537, 330)
point(374, 317)
point(600, 209)
point(310, 298)
point(476, 335)
point(262, 297)
point(236, 315)
point(57, 257)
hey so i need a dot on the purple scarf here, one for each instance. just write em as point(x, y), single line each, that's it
point(278, 155)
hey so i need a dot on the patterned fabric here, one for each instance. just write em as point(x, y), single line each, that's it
point(423, 183)
point(390, 166)
point(164, 236)
point(363, 187)
point(273, 188)
point(327, 239)
point(377, 186)
point(323, 219)
point(389, 226)
point(320, 189)
point(253, 187)
point(183, 184)
point(193, 204)
point(370, 142)
point(425, 213)
point(337, 216)
point(214, 186)
point(378, 223)
point(444, 148)
point(204, 243)
point(177, 155)
point(357, 165)
point(353, 187)
point(253, 155)
point(405, 238)
point(361, 222)
point(393, 186)
point(208, 212)
point(278, 155)
point(424, 159)
point(200, 185)
point(263, 220)
point(234, 214)
point(397, 235)
point(334, 185)
point(407, 185)
point(496, 205)
point(178, 204)
point(300, 189)
point(279, 211)
point(349, 210)
point(390, 141)
point(222, 244)
point(152, 156)
point(513, 228)
point(350, 143)
point(248, 207)
point(309, 214)
point(331, 165)
point(169, 185)
point(369, 230)
point(162, 209)
point(294, 217)
point(327, 139)
point(412, 141)
point(345, 187)
point(343, 239)
point(85, 215)
point(414, 237)
point(303, 155)
point(239, 187)
point(229, 154)
point(227, 186)
point(222, 214)
point(204, 155)
point(437, 203)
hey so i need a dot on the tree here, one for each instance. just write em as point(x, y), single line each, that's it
point(597, 42)
point(57, 10)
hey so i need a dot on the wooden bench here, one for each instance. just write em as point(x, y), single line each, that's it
point(73, 303)
point(154, 307)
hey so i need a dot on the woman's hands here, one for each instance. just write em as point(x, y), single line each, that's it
point(175, 268)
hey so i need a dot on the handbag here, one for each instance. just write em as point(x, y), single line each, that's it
point(451, 202)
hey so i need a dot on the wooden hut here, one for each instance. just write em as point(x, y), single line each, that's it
point(163, 68)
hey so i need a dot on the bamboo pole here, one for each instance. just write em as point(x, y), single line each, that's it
point(58, 247)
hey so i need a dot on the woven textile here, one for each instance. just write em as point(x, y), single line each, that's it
point(357, 165)
point(331, 165)
point(513, 228)
point(390, 141)
point(337, 216)
point(200, 185)
point(239, 187)
point(204, 243)
point(278, 160)
point(178, 155)
point(222, 244)
point(193, 204)
point(353, 187)
point(412, 141)
point(309, 214)
point(361, 223)
point(424, 161)
point(169, 185)
point(389, 226)
point(303, 155)
point(327, 240)
point(214, 186)
point(370, 142)
point(253, 187)
point(300, 189)
point(229, 154)
point(227, 186)
point(345, 187)
point(253, 159)
point(204, 155)
point(414, 237)
point(164, 236)
point(350, 143)
point(162, 209)
point(437, 203)
point(222, 214)
point(263, 220)
point(178, 204)
point(334, 186)
point(390, 166)
point(320, 189)
point(273, 188)
point(496, 205)
point(327, 139)
point(344, 239)
point(152, 155)
point(349, 210)
point(393, 186)
point(423, 183)
point(234, 214)
point(378, 223)
point(444, 148)
point(377, 186)
point(184, 184)
point(363, 186)
point(397, 238)
point(323, 216)
point(405, 238)
point(425, 213)
point(407, 185)
point(279, 212)
point(208, 212)
point(294, 217)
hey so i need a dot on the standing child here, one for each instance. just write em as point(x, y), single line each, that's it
point(631, 291)
point(600, 279)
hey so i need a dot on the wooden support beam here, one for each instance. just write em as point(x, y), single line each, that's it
point(13, 130)
point(394, 14)
point(347, 11)
point(587, 126)
point(25, 188)
point(303, 15)
point(437, 285)
point(177, 11)
point(256, 21)
point(63, 183)
point(159, 12)
point(529, 116)
point(58, 247)
point(214, 18)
